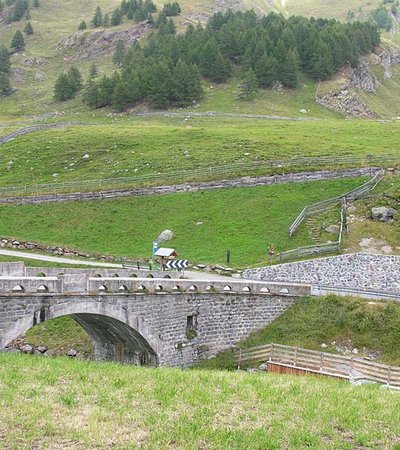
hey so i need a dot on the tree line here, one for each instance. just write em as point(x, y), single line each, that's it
point(167, 68)
point(19, 9)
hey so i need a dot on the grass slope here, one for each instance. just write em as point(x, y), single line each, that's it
point(147, 146)
point(60, 403)
point(314, 321)
point(52, 22)
point(205, 224)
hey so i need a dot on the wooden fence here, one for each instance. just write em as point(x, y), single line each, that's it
point(316, 208)
point(347, 367)
point(325, 205)
point(203, 173)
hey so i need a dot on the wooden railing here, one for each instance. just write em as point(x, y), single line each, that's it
point(347, 367)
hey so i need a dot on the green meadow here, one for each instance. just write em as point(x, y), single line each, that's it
point(246, 221)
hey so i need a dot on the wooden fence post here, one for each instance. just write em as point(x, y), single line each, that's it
point(389, 374)
point(240, 358)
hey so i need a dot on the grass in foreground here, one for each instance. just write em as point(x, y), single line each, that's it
point(60, 403)
point(367, 326)
point(246, 221)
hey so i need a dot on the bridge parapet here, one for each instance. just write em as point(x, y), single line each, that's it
point(160, 286)
point(42, 285)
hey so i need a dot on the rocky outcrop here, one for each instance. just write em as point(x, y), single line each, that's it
point(363, 79)
point(383, 214)
point(347, 102)
point(388, 58)
point(92, 44)
point(346, 99)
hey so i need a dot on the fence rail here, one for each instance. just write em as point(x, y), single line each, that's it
point(203, 173)
point(324, 205)
point(347, 367)
point(315, 208)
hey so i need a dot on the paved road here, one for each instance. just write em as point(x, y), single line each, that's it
point(62, 260)
point(57, 259)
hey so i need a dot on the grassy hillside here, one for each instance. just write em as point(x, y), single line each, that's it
point(60, 405)
point(334, 8)
point(145, 145)
point(52, 22)
point(334, 321)
point(206, 224)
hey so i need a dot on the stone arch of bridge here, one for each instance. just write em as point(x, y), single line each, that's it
point(117, 335)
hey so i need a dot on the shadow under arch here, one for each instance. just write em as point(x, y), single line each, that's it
point(113, 339)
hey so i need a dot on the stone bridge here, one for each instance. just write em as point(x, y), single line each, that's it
point(149, 321)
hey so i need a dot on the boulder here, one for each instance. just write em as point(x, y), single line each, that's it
point(72, 353)
point(165, 236)
point(42, 349)
point(383, 214)
point(332, 229)
point(39, 76)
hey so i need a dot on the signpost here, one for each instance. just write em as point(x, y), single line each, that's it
point(155, 248)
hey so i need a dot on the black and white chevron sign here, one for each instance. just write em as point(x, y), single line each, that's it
point(177, 264)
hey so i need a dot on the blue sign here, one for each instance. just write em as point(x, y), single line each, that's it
point(155, 246)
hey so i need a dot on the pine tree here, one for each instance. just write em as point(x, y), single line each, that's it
point(5, 86)
point(119, 53)
point(5, 63)
point(291, 71)
point(36, 3)
point(159, 84)
point(266, 71)
point(63, 88)
point(116, 17)
point(186, 84)
point(28, 29)
point(322, 62)
point(75, 78)
point(247, 87)
point(213, 64)
point(97, 18)
point(93, 73)
point(20, 8)
point(106, 21)
point(18, 42)
point(82, 26)
point(91, 94)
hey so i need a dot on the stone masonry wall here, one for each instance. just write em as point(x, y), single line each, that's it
point(359, 270)
point(219, 320)
point(266, 180)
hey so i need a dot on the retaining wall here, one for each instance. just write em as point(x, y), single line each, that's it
point(32, 198)
point(359, 270)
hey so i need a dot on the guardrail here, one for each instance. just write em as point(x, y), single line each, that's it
point(373, 294)
point(329, 364)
